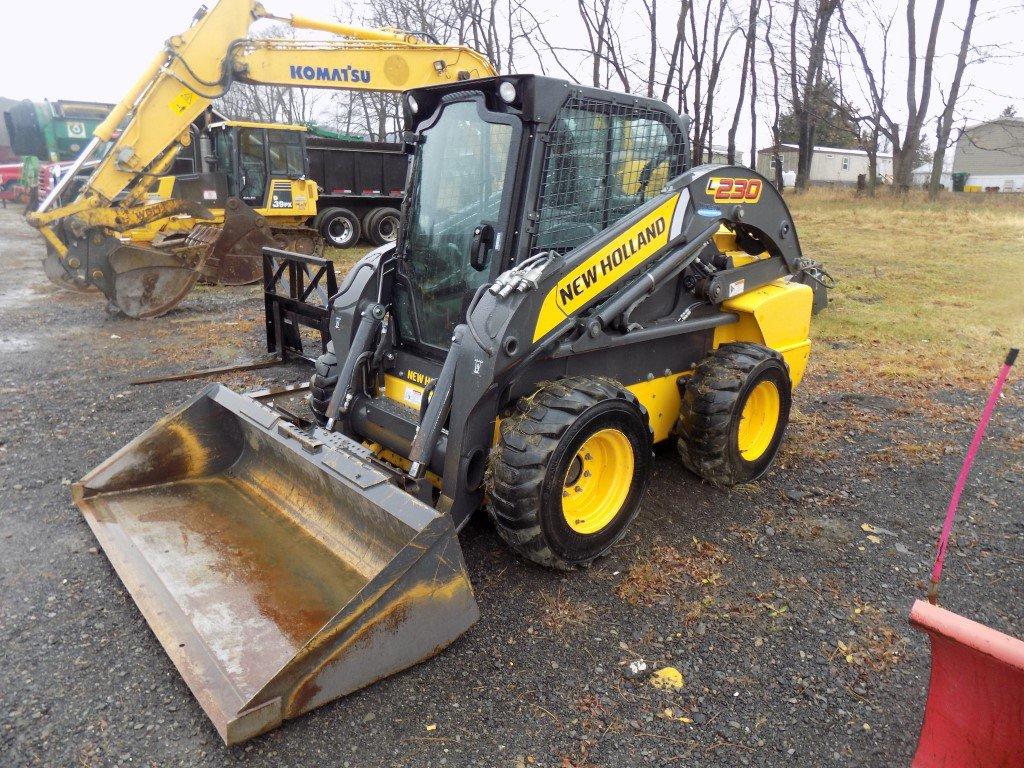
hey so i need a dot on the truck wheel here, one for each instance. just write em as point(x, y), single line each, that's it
point(734, 413)
point(383, 226)
point(568, 471)
point(340, 227)
point(321, 385)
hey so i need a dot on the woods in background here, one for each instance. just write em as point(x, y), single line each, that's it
point(803, 72)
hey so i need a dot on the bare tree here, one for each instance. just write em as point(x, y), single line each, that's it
point(774, 65)
point(945, 125)
point(748, 66)
point(906, 142)
point(805, 79)
point(905, 154)
point(877, 88)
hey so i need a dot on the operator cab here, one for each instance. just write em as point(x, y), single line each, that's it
point(510, 167)
point(253, 156)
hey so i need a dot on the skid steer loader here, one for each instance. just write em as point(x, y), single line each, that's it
point(563, 294)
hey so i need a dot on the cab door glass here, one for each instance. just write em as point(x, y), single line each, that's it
point(251, 146)
point(286, 157)
point(223, 150)
point(460, 182)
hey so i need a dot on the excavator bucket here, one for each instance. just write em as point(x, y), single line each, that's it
point(975, 710)
point(236, 257)
point(279, 569)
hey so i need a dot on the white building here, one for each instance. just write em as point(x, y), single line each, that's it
point(991, 156)
point(829, 165)
point(922, 175)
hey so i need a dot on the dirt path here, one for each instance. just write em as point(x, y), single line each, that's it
point(786, 617)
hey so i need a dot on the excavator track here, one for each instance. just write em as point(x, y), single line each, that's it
point(304, 240)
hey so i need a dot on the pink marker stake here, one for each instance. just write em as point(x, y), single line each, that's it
point(965, 470)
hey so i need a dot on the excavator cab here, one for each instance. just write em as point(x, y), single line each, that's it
point(265, 166)
point(559, 277)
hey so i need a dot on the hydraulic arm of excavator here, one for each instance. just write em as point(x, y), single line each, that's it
point(195, 68)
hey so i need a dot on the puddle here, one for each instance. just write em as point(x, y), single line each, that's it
point(19, 297)
point(17, 343)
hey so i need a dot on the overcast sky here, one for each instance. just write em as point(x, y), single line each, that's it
point(95, 50)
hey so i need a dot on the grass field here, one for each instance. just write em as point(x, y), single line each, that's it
point(925, 290)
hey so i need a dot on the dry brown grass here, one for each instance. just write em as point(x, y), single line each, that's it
point(559, 613)
point(926, 290)
point(664, 571)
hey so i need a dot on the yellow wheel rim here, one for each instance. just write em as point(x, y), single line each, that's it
point(597, 481)
point(759, 420)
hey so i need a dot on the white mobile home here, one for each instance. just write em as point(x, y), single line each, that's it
point(990, 156)
point(829, 165)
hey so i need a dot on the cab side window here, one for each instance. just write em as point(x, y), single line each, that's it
point(285, 149)
point(602, 161)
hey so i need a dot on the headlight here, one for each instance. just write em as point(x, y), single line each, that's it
point(413, 106)
point(507, 91)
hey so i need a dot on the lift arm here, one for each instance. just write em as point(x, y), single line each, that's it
point(200, 64)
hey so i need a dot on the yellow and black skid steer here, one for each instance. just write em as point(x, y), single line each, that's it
point(565, 292)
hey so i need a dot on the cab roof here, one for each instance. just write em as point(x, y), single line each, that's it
point(251, 124)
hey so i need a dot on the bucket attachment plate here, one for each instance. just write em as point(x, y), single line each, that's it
point(149, 282)
point(59, 276)
point(279, 569)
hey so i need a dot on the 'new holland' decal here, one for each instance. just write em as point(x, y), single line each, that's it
point(611, 263)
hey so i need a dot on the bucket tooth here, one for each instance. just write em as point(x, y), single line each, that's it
point(279, 569)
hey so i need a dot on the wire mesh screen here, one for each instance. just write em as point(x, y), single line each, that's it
point(603, 160)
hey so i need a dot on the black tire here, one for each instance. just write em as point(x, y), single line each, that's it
point(383, 226)
point(340, 227)
point(365, 221)
point(540, 445)
point(321, 385)
point(712, 410)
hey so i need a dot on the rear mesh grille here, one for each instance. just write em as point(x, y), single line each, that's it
point(603, 160)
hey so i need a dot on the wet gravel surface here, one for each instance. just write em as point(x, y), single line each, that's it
point(783, 604)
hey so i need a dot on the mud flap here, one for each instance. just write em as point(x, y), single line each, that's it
point(279, 569)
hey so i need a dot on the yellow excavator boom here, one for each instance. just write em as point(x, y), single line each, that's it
point(195, 68)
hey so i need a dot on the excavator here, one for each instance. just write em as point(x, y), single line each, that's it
point(565, 293)
point(144, 238)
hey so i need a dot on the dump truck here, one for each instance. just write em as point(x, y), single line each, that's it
point(565, 292)
point(360, 189)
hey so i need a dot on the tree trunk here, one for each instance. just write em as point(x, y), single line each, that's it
point(916, 111)
point(945, 126)
point(747, 51)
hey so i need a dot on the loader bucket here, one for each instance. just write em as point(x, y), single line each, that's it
point(974, 715)
point(278, 569)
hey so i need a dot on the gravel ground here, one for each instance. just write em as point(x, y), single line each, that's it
point(785, 615)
